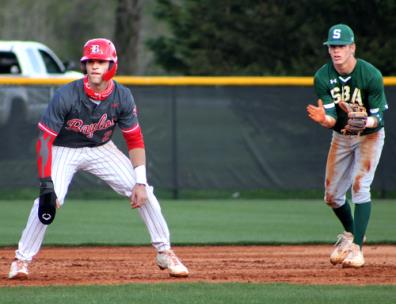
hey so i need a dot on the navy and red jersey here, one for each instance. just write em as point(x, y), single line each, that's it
point(77, 121)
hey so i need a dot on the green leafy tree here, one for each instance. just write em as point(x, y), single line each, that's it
point(273, 37)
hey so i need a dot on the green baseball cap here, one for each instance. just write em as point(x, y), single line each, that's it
point(340, 34)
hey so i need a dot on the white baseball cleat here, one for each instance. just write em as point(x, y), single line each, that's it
point(168, 260)
point(354, 258)
point(18, 270)
point(342, 246)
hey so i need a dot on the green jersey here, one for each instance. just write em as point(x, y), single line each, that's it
point(363, 86)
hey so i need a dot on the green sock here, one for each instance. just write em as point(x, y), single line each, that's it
point(362, 216)
point(344, 214)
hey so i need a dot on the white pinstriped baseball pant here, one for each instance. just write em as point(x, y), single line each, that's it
point(111, 165)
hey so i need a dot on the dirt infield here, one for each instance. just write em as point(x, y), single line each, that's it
point(258, 264)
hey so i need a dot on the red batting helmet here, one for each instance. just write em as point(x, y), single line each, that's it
point(100, 49)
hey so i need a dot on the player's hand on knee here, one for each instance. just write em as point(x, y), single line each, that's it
point(139, 196)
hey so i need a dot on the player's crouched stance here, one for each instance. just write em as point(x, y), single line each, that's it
point(351, 102)
point(75, 134)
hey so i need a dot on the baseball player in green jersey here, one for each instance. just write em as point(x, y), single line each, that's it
point(353, 156)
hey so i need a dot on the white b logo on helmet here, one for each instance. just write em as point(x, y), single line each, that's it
point(95, 49)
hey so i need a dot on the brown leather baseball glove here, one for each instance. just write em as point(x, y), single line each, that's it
point(357, 117)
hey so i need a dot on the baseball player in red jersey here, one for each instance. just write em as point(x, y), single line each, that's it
point(75, 134)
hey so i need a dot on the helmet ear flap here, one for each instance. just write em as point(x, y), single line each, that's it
point(111, 71)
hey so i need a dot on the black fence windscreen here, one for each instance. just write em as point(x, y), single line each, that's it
point(205, 138)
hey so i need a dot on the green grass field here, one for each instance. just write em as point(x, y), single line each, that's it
point(200, 293)
point(199, 222)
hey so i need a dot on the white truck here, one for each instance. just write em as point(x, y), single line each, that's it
point(31, 59)
point(28, 59)
point(21, 106)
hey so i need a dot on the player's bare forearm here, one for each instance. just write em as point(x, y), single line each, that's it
point(137, 157)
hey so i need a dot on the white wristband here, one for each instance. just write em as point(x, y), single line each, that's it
point(140, 172)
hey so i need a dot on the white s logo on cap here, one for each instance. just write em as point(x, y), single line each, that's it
point(337, 34)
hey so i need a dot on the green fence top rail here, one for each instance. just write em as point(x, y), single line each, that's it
point(184, 81)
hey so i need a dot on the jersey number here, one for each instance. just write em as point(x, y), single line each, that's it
point(344, 94)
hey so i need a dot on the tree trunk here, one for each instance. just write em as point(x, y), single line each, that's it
point(126, 36)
